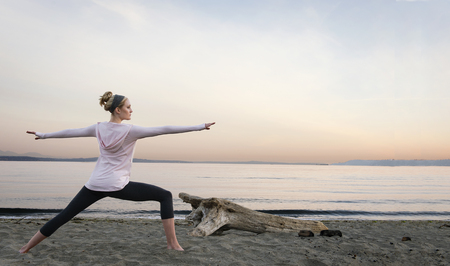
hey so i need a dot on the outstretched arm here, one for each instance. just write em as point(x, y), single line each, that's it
point(138, 132)
point(66, 133)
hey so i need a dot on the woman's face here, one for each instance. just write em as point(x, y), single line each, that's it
point(125, 111)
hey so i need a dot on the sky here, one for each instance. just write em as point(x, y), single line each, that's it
point(285, 81)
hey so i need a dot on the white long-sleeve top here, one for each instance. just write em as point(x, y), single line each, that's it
point(116, 143)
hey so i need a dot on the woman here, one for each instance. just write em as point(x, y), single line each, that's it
point(111, 174)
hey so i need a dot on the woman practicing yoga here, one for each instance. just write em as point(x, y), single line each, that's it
point(111, 174)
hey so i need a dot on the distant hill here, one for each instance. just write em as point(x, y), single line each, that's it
point(397, 162)
point(43, 159)
point(136, 160)
point(258, 162)
point(31, 154)
point(34, 156)
point(92, 159)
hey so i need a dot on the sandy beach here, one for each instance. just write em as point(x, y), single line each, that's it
point(142, 242)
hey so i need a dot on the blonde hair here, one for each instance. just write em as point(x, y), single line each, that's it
point(107, 100)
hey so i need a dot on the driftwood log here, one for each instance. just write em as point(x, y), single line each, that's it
point(215, 215)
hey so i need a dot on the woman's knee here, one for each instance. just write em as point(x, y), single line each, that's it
point(167, 205)
point(167, 195)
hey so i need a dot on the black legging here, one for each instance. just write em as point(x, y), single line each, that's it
point(133, 191)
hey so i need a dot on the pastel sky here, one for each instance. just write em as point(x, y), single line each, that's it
point(286, 81)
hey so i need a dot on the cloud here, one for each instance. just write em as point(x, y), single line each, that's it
point(131, 12)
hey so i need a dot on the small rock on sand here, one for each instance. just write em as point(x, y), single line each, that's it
point(306, 233)
point(331, 233)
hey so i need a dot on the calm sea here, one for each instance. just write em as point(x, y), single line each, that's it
point(323, 192)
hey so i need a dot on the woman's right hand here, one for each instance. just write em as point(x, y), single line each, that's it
point(34, 133)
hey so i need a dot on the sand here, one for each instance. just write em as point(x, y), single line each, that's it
point(142, 242)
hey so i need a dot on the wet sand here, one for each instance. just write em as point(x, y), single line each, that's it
point(142, 242)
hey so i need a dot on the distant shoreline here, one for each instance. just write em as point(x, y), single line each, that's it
point(136, 160)
point(396, 163)
point(445, 162)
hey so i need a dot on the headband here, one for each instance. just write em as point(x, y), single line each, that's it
point(116, 101)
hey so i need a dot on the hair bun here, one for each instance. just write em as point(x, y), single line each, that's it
point(108, 98)
point(105, 98)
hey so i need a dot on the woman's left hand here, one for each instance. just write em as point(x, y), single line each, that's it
point(208, 125)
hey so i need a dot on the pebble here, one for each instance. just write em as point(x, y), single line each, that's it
point(331, 233)
point(305, 233)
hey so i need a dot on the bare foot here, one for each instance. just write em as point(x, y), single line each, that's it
point(36, 239)
point(175, 247)
point(24, 249)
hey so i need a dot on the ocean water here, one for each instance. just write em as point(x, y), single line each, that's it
point(319, 192)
